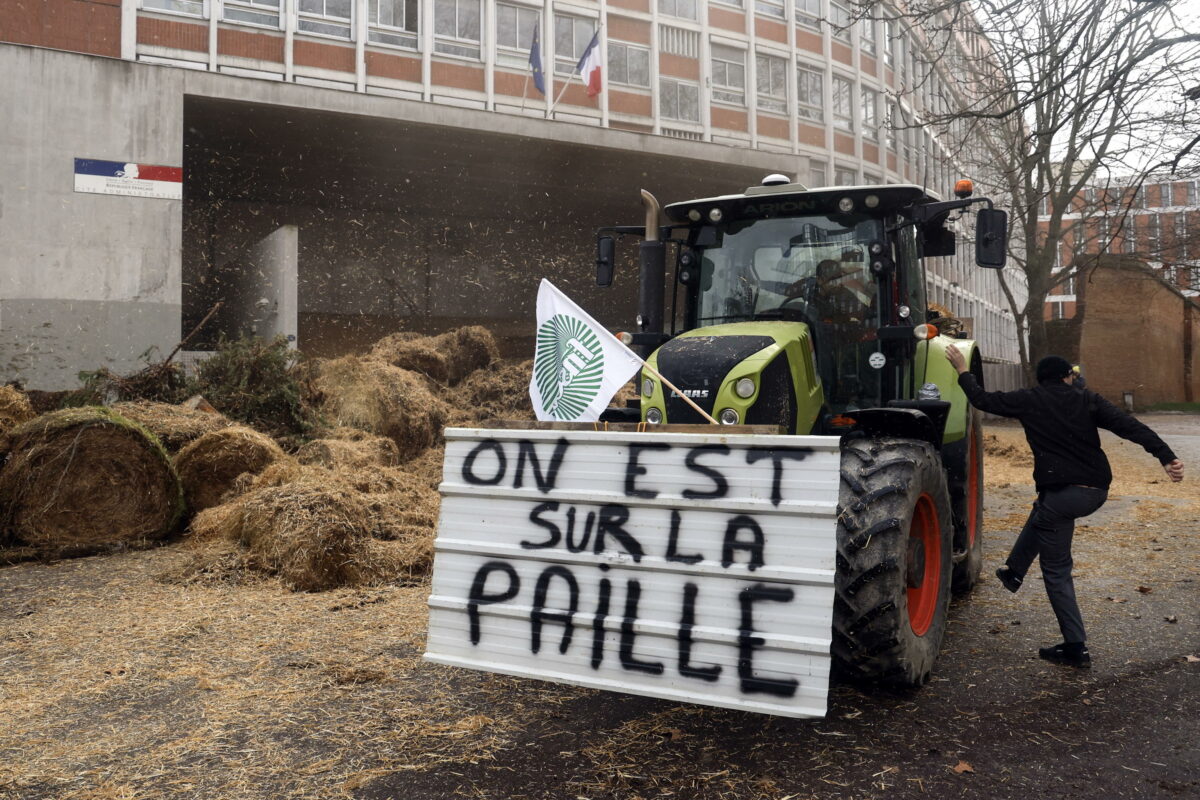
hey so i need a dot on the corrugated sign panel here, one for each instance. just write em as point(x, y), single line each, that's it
point(691, 567)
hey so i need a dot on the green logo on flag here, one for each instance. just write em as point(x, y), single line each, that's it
point(568, 366)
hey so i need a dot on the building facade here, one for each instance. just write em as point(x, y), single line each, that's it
point(1157, 222)
point(358, 166)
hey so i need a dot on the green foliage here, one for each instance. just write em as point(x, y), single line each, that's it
point(162, 383)
point(1188, 408)
point(251, 380)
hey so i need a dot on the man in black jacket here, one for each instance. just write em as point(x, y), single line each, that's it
point(1072, 476)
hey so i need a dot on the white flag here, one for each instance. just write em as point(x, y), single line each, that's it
point(578, 365)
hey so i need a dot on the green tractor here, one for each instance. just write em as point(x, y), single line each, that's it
point(806, 310)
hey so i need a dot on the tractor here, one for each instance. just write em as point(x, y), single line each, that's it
point(806, 310)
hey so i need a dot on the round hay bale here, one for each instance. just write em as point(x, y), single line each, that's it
point(350, 451)
point(374, 396)
point(83, 480)
point(175, 426)
point(209, 466)
point(14, 408)
point(311, 535)
point(467, 349)
point(412, 352)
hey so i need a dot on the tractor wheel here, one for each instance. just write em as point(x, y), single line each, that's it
point(893, 563)
point(966, 501)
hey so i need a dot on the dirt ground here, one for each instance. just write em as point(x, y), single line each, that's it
point(115, 685)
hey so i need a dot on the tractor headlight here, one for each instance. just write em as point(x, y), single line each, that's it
point(729, 416)
point(744, 388)
point(654, 416)
point(647, 388)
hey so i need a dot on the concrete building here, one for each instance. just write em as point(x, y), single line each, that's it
point(354, 167)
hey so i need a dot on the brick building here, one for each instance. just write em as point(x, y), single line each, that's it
point(357, 166)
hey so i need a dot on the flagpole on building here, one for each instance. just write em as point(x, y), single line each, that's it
point(524, 92)
point(554, 105)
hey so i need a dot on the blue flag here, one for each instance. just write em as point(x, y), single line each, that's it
point(535, 61)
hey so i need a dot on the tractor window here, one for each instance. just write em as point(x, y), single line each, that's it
point(914, 276)
point(791, 267)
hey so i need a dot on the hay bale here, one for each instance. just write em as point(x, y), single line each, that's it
point(467, 349)
point(413, 352)
point(209, 466)
point(348, 448)
point(84, 480)
point(15, 408)
point(175, 426)
point(318, 529)
point(373, 396)
point(501, 392)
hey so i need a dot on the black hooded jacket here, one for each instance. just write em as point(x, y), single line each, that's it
point(1061, 423)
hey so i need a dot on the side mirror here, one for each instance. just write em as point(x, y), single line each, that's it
point(605, 250)
point(991, 238)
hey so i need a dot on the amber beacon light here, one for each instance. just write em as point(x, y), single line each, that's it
point(964, 188)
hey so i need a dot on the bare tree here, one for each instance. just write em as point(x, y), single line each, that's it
point(1067, 107)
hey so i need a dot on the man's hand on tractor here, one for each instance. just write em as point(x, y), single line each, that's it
point(956, 359)
point(1174, 470)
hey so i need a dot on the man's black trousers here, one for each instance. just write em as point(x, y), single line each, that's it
point(1047, 537)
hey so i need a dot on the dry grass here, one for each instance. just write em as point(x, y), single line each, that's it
point(14, 408)
point(175, 426)
point(349, 448)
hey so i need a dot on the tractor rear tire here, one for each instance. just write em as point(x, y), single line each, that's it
point(894, 534)
point(966, 501)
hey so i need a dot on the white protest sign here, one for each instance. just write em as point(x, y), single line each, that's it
point(690, 567)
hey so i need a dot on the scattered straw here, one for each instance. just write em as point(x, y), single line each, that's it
point(174, 425)
point(14, 408)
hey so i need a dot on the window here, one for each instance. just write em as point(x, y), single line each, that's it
point(728, 74)
point(770, 8)
point(679, 41)
point(393, 22)
point(840, 19)
point(514, 28)
point(810, 94)
point(816, 173)
point(628, 64)
point(843, 104)
point(1154, 236)
point(328, 17)
point(845, 176)
point(1181, 237)
point(808, 13)
point(889, 42)
point(866, 36)
point(771, 73)
point(684, 9)
point(456, 27)
point(1130, 236)
point(1193, 193)
point(193, 8)
point(889, 126)
point(870, 114)
point(254, 12)
point(679, 100)
point(572, 35)
point(1139, 198)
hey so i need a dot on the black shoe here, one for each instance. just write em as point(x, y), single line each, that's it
point(1070, 654)
point(1010, 581)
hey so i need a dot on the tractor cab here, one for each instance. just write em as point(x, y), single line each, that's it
point(794, 307)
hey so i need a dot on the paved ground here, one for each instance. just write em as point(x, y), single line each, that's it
point(114, 684)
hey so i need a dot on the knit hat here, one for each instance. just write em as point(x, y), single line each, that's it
point(1053, 368)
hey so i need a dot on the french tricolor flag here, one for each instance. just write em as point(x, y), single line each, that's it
point(589, 66)
point(96, 176)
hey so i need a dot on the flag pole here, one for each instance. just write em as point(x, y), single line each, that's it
point(560, 94)
point(524, 92)
point(682, 396)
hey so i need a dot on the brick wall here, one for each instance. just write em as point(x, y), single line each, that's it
point(1133, 337)
point(84, 26)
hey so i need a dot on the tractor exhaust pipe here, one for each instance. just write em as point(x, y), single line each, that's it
point(652, 254)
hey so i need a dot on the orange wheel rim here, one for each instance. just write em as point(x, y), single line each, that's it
point(924, 565)
point(972, 490)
